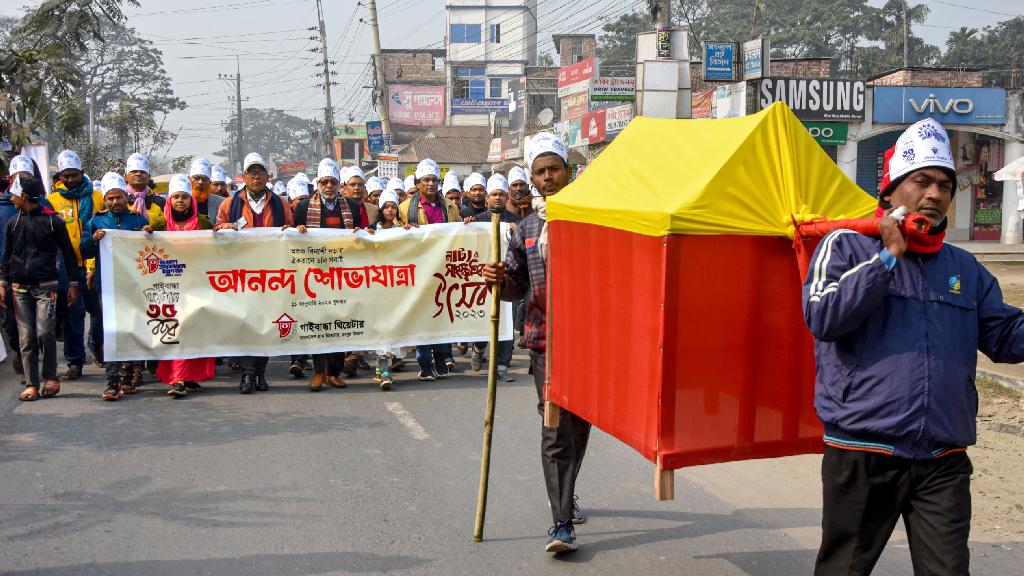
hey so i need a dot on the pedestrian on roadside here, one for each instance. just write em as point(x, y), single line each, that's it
point(117, 214)
point(452, 189)
point(524, 273)
point(200, 174)
point(33, 241)
point(898, 323)
point(475, 200)
point(254, 206)
point(183, 214)
point(428, 206)
point(75, 199)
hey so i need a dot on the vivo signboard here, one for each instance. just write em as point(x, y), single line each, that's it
point(905, 105)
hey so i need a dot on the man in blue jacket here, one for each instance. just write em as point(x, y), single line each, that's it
point(897, 323)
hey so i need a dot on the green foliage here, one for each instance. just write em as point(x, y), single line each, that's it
point(545, 59)
point(273, 132)
point(996, 48)
point(180, 164)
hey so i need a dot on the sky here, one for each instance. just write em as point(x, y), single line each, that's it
point(200, 40)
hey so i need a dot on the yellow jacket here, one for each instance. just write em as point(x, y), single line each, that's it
point(68, 210)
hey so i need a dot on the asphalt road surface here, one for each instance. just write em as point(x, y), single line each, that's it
point(359, 481)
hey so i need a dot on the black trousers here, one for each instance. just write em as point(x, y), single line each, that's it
point(254, 365)
point(329, 364)
point(866, 493)
point(561, 449)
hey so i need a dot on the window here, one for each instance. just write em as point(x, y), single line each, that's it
point(476, 89)
point(465, 72)
point(577, 50)
point(496, 91)
point(464, 33)
point(494, 33)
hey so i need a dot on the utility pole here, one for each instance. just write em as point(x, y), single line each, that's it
point(237, 79)
point(328, 109)
point(381, 90)
point(753, 21)
point(661, 10)
point(906, 37)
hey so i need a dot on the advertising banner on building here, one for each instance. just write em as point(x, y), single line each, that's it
point(512, 143)
point(820, 99)
point(570, 131)
point(613, 88)
point(267, 292)
point(387, 165)
point(719, 61)
point(730, 100)
point(578, 72)
point(416, 105)
point(829, 133)
point(592, 127)
point(575, 106)
point(755, 59)
point(350, 132)
point(494, 150)
point(479, 105)
point(701, 103)
point(906, 105)
point(289, 169)
point(375, 136)
point(616, 119)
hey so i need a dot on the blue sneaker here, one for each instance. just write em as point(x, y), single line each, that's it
point(563, 537)
point(578, 517)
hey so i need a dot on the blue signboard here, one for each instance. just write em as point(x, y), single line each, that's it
point(719, 61)
point(479, 105)
point(375, 136)
point(906, 105)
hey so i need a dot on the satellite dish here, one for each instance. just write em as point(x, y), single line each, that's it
point(545, 116)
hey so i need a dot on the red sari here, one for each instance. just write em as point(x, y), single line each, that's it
point(171, 372)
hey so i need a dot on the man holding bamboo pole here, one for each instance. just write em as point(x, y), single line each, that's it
point(523, 273)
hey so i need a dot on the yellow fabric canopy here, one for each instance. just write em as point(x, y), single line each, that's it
point(752, 176)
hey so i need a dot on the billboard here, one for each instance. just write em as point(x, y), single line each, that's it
point(906, 105)
point(479, 105)
point(350, 132)
point(815, 99)
point(613, 88)
point(719, 61)
point(375, 136)
point(411, 105)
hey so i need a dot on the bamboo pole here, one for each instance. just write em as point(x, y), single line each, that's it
point(492, 384)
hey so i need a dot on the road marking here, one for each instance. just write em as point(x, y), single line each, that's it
point(407, 420)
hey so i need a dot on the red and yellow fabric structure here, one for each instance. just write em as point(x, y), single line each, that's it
point(674, 314)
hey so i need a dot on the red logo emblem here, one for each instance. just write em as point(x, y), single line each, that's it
point(284, 325)
point(149, 259)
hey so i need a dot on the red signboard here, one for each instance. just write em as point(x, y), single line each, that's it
point(592, 127)
point(575, 106)
point(285, 169)
point(700, 103)
point(416, 105)
point(578, 72)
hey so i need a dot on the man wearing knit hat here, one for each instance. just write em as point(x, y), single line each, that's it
point(524, 273)
point(898, 322)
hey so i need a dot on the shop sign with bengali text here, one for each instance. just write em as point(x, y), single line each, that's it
point(755, 58)
point(416, 105)
point(719, 61)
point(613, 88)
point(616, 119)
point(375, 136)
point(288, 169)
point(494, 150)
point(575, 106)
point(479, 105)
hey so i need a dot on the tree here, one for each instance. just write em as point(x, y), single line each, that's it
point(545, 59)
point(999, 49)
point(272, 132)
point(180, 164)
point(617, 46)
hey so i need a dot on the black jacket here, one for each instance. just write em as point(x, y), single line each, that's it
point(32, 243)
point(302, 211)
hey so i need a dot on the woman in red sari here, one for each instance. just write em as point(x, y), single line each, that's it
point(181, 213)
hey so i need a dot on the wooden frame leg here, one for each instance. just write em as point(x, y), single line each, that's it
point(664, 483)
point(552, 414)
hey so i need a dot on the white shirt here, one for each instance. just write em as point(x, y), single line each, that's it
point(257, 207)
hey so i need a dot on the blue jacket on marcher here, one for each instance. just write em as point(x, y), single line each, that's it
point(896, 344)
point(107, 220)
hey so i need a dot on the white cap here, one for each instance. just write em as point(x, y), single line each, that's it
point(200, 167)
point(374, 184)
point(395, 184)
point(297, 189)
point(217, 174)
point(96, 186)
point(451, 182)
point(354, 171)
point(68, 160)
point(112, 181)
point(517, 174)
point(385, 197)
point(16, 187)
point(497, 182)
point(328, 168)
point(543, 143)
point(253, 158)
point(21, 163)
point(137, 162)
point(923, 145)
point(474, 179)
point(280, 189)
point(179, 183)
point(302, 177)
point(410, 183)
point(427, 167)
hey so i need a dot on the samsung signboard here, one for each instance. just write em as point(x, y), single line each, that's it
point(815, 99)
point(908, 104)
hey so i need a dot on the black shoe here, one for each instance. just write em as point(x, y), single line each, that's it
point(178, 390)
point(261, 383)
point(296, 370)
point(74, 372)
point(247, 384)
point(193, 386)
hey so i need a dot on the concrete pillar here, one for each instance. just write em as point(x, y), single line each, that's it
point(1011, 230)
point(846, 159)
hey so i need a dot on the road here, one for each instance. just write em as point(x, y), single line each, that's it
point(362, 481)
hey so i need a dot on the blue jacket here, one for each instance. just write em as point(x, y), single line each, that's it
point(107, 220)
point(896, 344)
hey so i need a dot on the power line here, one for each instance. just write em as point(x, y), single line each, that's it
point(976, 9)
point(215, 8)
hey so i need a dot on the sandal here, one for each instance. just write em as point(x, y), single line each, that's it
point(50, 388)
point(30, 394)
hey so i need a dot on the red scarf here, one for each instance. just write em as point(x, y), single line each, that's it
point(919, 242)
point(191, 224)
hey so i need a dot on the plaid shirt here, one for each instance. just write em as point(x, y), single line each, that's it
point(526, 276)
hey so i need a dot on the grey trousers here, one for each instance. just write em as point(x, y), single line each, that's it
point(561, 449)
point(253, 364)
point(36, 312)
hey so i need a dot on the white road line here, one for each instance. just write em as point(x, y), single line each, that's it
point(407, 420)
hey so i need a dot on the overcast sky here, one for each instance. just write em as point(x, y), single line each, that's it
point(201, 38)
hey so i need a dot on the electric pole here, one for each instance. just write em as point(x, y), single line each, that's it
point(378, 65)
point(661, 12)
point(906, 37)
point(237, 79)
point(328, 109)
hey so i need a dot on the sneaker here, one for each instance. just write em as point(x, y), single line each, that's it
point(193, 386)
point(563, 537)
point(439, 374)
point(427, 375)
point(385, 380)
point(178, 390)
point(578, 517)
point(74, 372)
point(477, 361)
point(504, 376)
point(113, 391)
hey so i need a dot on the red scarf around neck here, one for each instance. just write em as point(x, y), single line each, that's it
point(918, 242)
